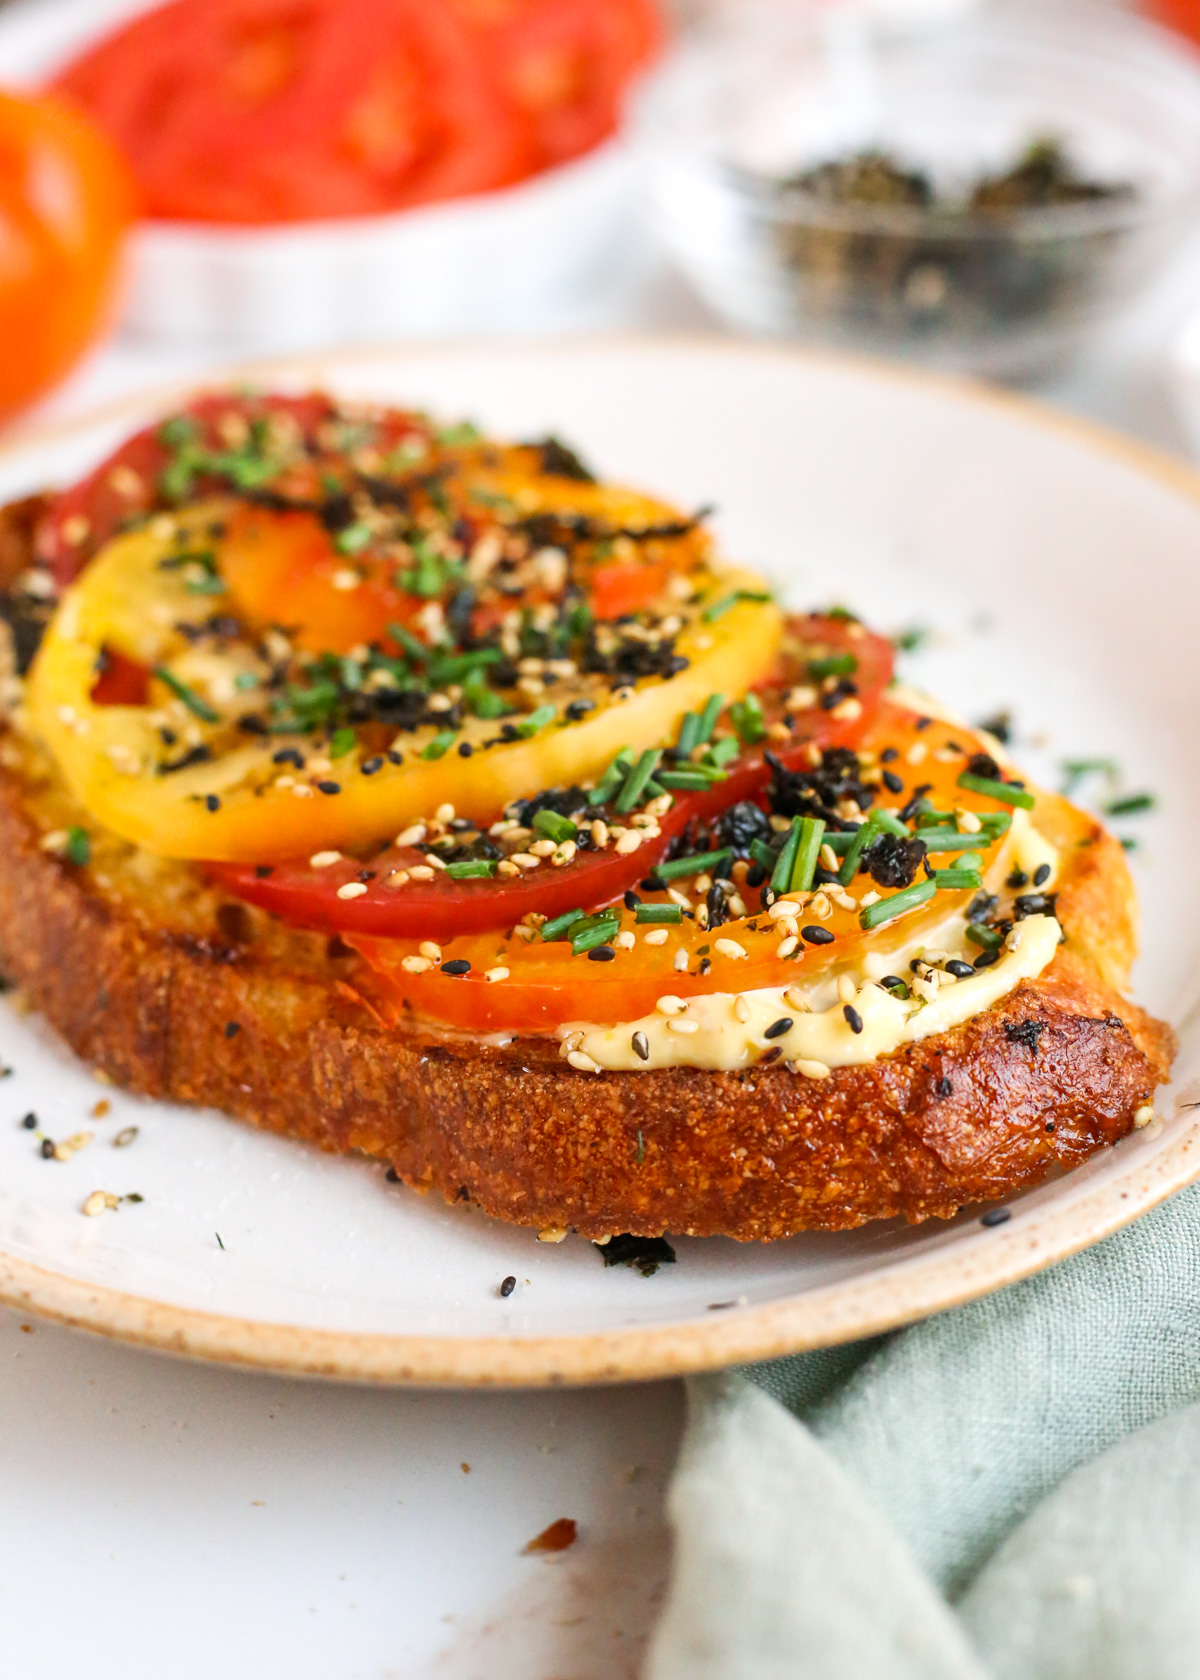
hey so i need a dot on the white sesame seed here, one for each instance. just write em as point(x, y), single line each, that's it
point(820, 907)
point(435, 861)
point(345, 578)
point(680, 1025)
point(599, 833)
point(741, 1008)
point(968, 822)
point(787, 946)
point(1143, 1116)
point(812, 1070)
point(669, 1004)
point(302, 791)
point(846, 989)
point(868, 899)
point(657, 936)
point(848, 709)
point(396, 878)
point(525, 860)
point(629, 842)
point(917, 753)
point(563, 854)
point(728, 948)
point(558, 1233)
point(420, 872)
point(676, 897)
point(585, 1064)
point(352, 889)
point(795, 999)
point(494, 974)
point(415, 965)
point(681, 961)
point(504, 867)
point(445, 813)
point(543, 848)
point(322, 860)
point(784, 907)
point(55, 841)
point(625, 940)
point(431, 949)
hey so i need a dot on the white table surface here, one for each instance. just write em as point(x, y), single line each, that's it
point(167, 1521)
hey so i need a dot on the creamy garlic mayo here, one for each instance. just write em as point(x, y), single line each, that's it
point(729, 1030)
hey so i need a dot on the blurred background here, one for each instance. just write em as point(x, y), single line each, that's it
point(995, 188)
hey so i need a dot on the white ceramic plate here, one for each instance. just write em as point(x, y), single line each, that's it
point(1061, 571)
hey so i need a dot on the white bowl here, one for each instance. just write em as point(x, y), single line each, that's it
point(507, 261)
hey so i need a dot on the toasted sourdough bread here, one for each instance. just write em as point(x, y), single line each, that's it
point(174, 991)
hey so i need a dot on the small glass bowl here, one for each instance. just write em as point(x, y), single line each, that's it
point(762, 97)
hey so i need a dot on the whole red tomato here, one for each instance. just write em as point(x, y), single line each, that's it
point(66, 199)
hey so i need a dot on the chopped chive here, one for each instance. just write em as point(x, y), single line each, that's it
point(763, 855)
point(862, 839)
point(1005, 792)
point(781, 875)
point(207, 584)
point(725, 748)
point(440, 745)
point(658, 913)
point(708, 717)
point(556, 928)
point(352, 539)
point(908, 641)
point(470, 869)
point(79, 846)
point(812, 830)
point(746, 717)
point(198, 707)
point(464, 431)
point(837, 665)
point(341, 742)
point(536, 720)
point(1075, 769)
point(689, 734)
point(696, 865)
point(710, 615)
point(970, 860)
point(1130, 805)
point(612, 778)
point(416, 650)
point(635, 782)
point(899, 904)
point(695, 779)
point(554, 827)
point(840, 844)
point(885, 821)
point(947, 840)
point(587, 939)
point(245, 680)
point(985, 936)
point(956, 880)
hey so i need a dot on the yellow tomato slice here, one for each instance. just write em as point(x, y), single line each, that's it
point(235, 802)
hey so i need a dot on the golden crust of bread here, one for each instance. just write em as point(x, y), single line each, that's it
point(174, 993)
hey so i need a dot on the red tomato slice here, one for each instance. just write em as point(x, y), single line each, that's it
point(443, 907)
point(284, 110)
point(84, 517)
point(122, 682)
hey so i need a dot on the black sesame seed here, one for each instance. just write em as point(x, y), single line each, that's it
point(893, 983)
point(392, 1176)
point(816, 935)
point(232, 1029)
point(580, 709)
point(705, 965)
point(923, 723)
point(853, 1019)
point(30, 1121)
point(288, 755)
point(631, 900)
point(211, 802)
point(640, 1045)
point(985, 959)
point(778, 1028)
point(889, 755)
point(365, 875)
point(394, 757)
point(329, 787)
point(262, 870)
point(892, 782)
point(507, 1287)
point(458, 965)
point(1041, 875)
point(996, 1216)
point(961, 970)
point(1017, 879)
point(601, 953)
point(47, 1149)
point(944, 1086)
point(1049, 1125)
point(465, 749)
point(652, 883)
point(371, 766)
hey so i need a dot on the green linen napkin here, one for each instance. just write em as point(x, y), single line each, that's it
point(1008, 1491)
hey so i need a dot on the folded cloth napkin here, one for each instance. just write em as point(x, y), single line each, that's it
point(1008, 1491)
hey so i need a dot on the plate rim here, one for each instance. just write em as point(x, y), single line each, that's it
point(833, 1313)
